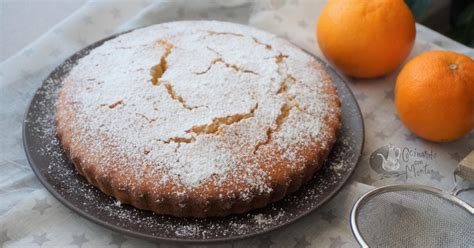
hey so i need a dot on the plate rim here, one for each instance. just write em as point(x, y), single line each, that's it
point(43, 180)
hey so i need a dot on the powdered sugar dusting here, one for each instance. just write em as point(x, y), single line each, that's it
point(59, 175)
point(194, 102)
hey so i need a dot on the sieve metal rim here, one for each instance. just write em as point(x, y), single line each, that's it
point(395, 188)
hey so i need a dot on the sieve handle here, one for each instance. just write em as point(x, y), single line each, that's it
point(465, 169)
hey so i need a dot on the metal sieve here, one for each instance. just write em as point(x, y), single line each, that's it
point(411, 215)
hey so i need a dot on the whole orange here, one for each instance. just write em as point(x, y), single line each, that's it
point(366, 38)
point(434, 95)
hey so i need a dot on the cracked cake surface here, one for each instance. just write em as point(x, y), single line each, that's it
point(197, 118)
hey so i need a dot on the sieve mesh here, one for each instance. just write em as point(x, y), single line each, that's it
point(413, 218)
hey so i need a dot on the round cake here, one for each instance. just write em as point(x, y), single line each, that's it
point(197, 118)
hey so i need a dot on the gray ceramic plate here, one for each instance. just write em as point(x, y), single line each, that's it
point(57, 174)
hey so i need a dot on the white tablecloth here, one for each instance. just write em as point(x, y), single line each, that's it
point(31, 217)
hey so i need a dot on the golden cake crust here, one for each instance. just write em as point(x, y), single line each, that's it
point(130, 118)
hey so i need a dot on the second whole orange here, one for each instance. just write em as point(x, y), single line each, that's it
point(434, 95)
point(366, 38)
